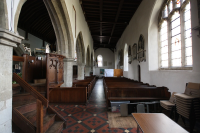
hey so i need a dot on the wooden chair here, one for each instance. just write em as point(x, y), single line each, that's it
point(169, 105)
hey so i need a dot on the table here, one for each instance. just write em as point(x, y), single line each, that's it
point(156, 123)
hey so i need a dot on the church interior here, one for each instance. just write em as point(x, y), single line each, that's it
point(100, 66)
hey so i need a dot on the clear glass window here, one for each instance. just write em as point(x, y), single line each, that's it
point(188, 36)
point(177, 51)
point(100, 60)
point(176, 40)
point(170, 6)
point(164, 44)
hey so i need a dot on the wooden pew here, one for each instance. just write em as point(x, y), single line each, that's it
point(89, 82)
point(120, 89)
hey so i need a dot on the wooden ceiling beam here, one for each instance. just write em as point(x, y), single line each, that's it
point(101, 10)
point(107, 22)
point(116, 18)
point(105, 36)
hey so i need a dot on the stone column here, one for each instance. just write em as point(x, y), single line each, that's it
point(68, 72)
point(8, 40)
point(80, 72)
point(87, 70)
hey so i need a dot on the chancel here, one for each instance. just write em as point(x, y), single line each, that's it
point(99, 66)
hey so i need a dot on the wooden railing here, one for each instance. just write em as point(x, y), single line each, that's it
point(18, 58)
point(31, 90)
point(39, 117)
point(25, 124)
point(41, 101)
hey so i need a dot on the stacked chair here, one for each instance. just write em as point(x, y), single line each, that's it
point(169, 105)
point(188, 104)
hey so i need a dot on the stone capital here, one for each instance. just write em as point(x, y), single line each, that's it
point(9, 38)
point(68, 60)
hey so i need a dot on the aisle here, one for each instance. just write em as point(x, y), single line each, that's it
point(91, 118)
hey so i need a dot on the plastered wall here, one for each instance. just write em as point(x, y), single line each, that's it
point(145, 22)
point(108, 56)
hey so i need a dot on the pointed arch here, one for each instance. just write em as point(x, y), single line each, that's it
point(88, 56)
point(91, 61)
point(126, 57)
point(80, 49)
point(59, 16)
point(3, 15)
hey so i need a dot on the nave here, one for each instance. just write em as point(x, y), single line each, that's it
point(91, 118)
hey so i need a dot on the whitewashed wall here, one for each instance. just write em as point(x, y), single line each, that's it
point(81, 24)
point(108, 56)
point(145, 22)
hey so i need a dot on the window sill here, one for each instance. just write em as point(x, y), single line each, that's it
point(177, 68)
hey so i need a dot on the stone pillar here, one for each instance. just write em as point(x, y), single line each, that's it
point(80, 72)
point(68, 72)
point(87, 70)
point(8, 40)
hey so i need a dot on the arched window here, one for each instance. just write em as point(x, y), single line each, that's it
point(175, 35)
point(125, 57)
point(100, 61)
point(75, 56)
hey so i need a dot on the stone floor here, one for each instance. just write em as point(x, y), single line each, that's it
point(93, 117)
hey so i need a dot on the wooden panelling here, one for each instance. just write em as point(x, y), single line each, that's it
point(30, 89)
point(18, 58)
point(118, 72)
point(68, 95)
point(119, 89)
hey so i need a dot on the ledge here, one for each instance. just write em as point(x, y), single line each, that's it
point(177, 68)
point(8, 38)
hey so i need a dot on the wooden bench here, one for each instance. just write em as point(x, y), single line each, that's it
point(89, 82)
point(122, 89)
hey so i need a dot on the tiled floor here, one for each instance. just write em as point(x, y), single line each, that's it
point(91, 118)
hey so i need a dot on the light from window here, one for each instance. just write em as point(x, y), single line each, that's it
point(170, 6)
point(178, 3)
point(164, 44)
point(75, 58)
point(126, 58)
point(176, 40)
point(176, 35)
point(188, 36)
point(183, 1)
point(100, 60)
point(165, 12)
